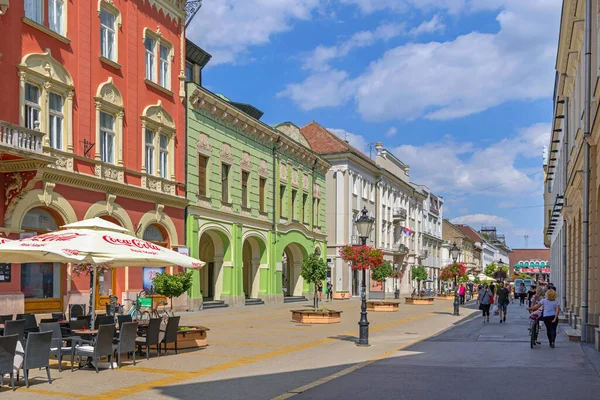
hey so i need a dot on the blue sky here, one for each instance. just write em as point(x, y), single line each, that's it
point(459, 89)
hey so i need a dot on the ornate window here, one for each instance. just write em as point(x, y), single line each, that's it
point(159, 49)
point(33, 11)
point(46, 99)
point(110, 18)
point(109, 124)
point(158, 132)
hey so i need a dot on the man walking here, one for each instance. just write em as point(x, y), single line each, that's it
point(521, 292)
point(503, 301)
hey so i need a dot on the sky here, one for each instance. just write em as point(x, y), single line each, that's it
point(461, 90)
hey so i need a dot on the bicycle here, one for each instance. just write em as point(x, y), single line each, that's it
point(136, 311)
point(166, 313)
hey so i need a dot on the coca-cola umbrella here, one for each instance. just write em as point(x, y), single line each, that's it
point(95, 242)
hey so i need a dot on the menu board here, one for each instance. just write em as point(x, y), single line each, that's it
point(4, 273)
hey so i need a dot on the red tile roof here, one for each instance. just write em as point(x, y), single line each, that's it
point(528, 254)
point(469, 232)
point(324, 142)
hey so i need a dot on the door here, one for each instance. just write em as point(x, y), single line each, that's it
point(211, 280)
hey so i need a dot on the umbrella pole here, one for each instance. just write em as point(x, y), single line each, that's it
point(93, 299)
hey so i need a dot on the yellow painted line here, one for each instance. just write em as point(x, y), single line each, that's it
point(150, 370)
point(204, 354)
point(50, 393)
point(248, 344)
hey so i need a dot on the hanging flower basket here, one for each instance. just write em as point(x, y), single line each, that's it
point(362, 257)
point(88, 269)
point(452, 271)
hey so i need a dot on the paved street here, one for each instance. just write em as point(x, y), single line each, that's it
point(475, 360)
point(253, 353)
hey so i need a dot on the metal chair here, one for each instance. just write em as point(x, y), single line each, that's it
point(123, 319)
point(16, 327)
point(152, 338)
point(104, 320)
point(8, 348)
point(59, 316)
point(37, 353)
point(102, 347)
point(4, 318)
point(57, 349)
point(30, 324)
point(47, 320)
point(127, 336)
point(171, 333)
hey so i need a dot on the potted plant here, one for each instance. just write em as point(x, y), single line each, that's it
point(314, 269)
point(380, 274)
point(419, 273)
point(341, 295)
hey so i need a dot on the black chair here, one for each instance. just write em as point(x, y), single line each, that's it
point(171, 333)
point(126, 344)
point(8, 348)
point(101, 348)
point(21, 316)
point(104, 320)
point(48, 320)
point(37, 353)
point(4, 318)
point(16, 327)
point(152, 338)
point(60, 316)
point(58, 348)
point(123, 319)
point(30, 324)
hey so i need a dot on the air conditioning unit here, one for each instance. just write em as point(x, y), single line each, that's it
point(76, 310)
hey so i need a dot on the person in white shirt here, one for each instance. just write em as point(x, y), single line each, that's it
point(551, 309)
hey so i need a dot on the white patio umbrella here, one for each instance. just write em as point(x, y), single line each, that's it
point(471, 277)
point(484, 277)
point(4, 240)
point(96, 242)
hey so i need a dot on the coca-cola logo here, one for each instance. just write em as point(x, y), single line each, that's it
point(57, 237)
point(71, 252)
point(139, 244)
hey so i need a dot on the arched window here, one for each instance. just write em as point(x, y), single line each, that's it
point(46, 99)
point(153, 233)
point(109, 124)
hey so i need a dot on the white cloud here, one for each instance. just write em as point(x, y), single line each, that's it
point(323, 55)
point(435, 24)
point(452, 6)
point(391, 132)
point(354, 139)
point(453, 79)
point(323, 89)
point(478, 220)
point(227, 28)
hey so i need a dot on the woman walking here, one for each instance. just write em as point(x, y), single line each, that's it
point(549, 314)
point(462, 290)
point(503, 300)
point(522, 290)
point(484, 299)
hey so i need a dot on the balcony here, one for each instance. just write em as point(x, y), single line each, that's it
point(399, 214)
point(19, 140)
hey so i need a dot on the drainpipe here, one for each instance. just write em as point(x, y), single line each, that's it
point(565, 158)
point(586, 168)
point(275, 145)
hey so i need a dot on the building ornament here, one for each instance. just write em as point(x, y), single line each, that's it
point(295, 177)
point(226, 153)
point(263, 170)
point(203, 144)
point(283, 172)
point(48, 189)
point(110, 203)
point(16, 186)
point(246, 163)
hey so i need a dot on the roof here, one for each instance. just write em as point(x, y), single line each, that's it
point(517, 255)
point(469, 232)
point(246, 108)
point(195, 54)
point(324, 142)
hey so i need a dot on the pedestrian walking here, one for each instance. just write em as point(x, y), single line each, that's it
point(484, 298)
point(470, 284)
point(320, 290)
point(550, 311)
point(329, 291)
point(531, 294)
point(503, 300)
point(522, 291)
point(462, 290)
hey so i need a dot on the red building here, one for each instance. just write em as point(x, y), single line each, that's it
point(92, 124)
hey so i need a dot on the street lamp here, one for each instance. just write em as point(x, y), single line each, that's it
point(364, 225)
point(454, 253)
point(396, 292)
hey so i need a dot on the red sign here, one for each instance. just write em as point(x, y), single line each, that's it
point(140, 244)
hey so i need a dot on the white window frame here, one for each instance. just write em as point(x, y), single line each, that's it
point(155, 72)
point(108, 42)
point(56, 123)
point(34, 10)
point(106, 133)
point(159, 121)
point(55, 25)
point(165, 68)
point(163, 156)
point(149, 149)
point(108, 100)
point(32, 107)
point(150, 59)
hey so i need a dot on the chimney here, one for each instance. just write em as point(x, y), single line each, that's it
point(379, 148)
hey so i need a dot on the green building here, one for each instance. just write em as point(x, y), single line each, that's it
point(257, 199)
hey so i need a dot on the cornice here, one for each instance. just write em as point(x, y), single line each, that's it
point(200, 212)
point(174, 9)
point(214, 107)
point(23, 165)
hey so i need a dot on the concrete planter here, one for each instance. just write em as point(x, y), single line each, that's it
point(341, 295)
point(445, 297)
point(194, 337)
point(419, 300)
point(316, 317)
point(383, 306)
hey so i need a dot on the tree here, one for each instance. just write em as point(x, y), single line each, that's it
point(419, 273)
point(477, 280)
point(172, 285)
point(380, 274)
point(314, 269)
point(490, 269)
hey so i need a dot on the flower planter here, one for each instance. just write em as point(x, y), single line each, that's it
point(446, 297)
point(341, 295)
point(193, 337)
point(316, 317)
point(383, 306)
point(419, 300)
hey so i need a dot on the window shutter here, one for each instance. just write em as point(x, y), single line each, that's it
point(202, 165)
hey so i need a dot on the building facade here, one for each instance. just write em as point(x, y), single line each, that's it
point(92, 123)
point(565, 194)
point(431, 233)
point(257, 201)
point(533, 262)
point(470, 252)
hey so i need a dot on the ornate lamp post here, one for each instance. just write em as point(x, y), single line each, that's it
point(396, 292)
point(364, 225)
point(454, 253)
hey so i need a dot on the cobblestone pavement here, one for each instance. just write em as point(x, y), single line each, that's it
point(253, 353)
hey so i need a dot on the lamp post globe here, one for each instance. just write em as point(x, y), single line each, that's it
point(364, 225)
point(454, 254)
